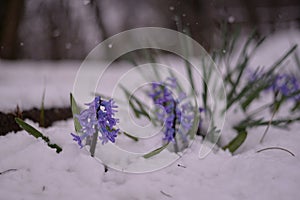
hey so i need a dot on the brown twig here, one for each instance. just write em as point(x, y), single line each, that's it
point(278, 148)
point(167, 195)
point(6, 171)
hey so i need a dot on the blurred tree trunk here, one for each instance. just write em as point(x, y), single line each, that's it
point(9, 28)
point(96, 8)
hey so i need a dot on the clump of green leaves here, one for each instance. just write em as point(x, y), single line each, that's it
point(243, 94)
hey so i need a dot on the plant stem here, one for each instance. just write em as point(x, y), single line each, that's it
point(94, 143)
point(267, 128)
point(42, 113)
point(176, 149)
point(257, 110)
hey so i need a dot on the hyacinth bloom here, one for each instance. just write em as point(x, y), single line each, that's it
point(285, 84)
point(174, 114)
point(78, 139)
point(99, 116)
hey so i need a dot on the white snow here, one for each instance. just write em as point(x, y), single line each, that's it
point(73, 174)
point(23, 84)
point(38, 172)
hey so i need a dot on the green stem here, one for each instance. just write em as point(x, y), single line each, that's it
point(94, 143)
point(269, 124)
point(42, 113)
point(258, 110)
point(176, 149)
point(131, 136)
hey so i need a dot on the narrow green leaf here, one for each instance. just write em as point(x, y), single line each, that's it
point(295, 107)
point(156, 151)
point(297, 60)
point(250, 92)
point(32, 131)
point(231, 101)
point(232, 45)
point(42, 113)
point(55, 146)
point(190, 75)
point(186, 47)
point(242, 64)
point(131, 136)
point(241, 68)
point(280, 60)
point(136, 105)
point(248, 123)
point(205, 81)
point(35, 133)
point(172, 75)
point(151, 59)
point(254, 94)
point(75, 111)
point(237, 141)
point(248, 42)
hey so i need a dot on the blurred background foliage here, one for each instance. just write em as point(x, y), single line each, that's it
point(69, 29)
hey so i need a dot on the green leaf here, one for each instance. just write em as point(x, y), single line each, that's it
point(241, 94)
point(205, 80)
point(188, 68)
point(42, 113)
point(234, 39)
point(297, 60)
point(254, 93)
point(35, 133)
point(280, 60)
point(241, 68)
point(136, 105)
point(156, 151)
point(237, 141)
point(131, 136)
point(75, 111)
point(32, 131)
point(151, 59)
point(172, 75)
point(186, 48)
point(278, 123)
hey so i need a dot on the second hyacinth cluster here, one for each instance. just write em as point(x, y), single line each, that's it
point(176, 116)
point(284, 84)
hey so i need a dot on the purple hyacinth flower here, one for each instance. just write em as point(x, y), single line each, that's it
point(201, 109)
point(106, 121)
point(171, 82)
point(77, 139)
point(173, 114)
point(285, 84)
point(98, 117)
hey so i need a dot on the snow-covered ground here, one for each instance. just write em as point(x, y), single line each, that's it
point(23, 83)
point(37, 172)
point(41, 173)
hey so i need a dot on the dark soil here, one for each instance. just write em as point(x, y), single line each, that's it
point(8, 124)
